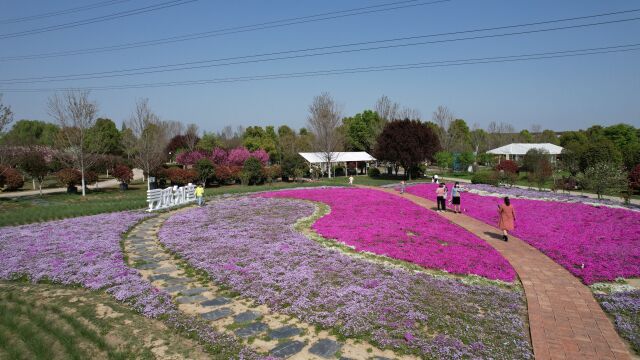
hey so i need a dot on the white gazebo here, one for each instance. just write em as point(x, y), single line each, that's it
point(321, 158)
point(516, 151)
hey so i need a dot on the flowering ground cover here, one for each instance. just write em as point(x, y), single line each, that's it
point(606, 240)
point(484, 189)
point(251, 246)
point(624, 306)
point(86, 251)
point(384, 224)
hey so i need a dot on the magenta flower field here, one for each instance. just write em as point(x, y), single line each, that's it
point(606, 240)
point(385, 224)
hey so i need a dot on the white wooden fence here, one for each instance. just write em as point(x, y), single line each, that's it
point(159, 199)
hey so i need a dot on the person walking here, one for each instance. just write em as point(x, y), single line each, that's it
point(350, 180)
point(507, 217)
point(200, 194)
point(455, 197)
point(441, 196)
point(402, 186)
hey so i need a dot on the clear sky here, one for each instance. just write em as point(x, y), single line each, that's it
point(561, 93)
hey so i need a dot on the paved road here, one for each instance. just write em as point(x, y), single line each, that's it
point(137, 175)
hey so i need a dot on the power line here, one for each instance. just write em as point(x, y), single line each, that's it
point(368, 69)
point(397, 5)
point(252, 58)
point(62, 12)
point(113, 16)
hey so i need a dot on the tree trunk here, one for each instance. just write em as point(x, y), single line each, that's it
point(40, 187)
point(84, 193)
point(34, 183)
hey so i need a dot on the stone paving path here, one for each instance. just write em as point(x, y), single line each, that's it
point(565, 320)
point(265, 331)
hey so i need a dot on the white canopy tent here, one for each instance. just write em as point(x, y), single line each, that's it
point(321, 158)
point(516, 151)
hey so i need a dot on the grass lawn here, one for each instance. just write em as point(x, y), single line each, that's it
point(54, 322)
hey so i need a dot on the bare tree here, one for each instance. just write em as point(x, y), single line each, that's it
point(191, 136)
point(443, 117)
point(173, 128)
point(409, 113)
point(387, 109)
point(500, 133)
point(6, 115)
point(75, 114)
point(151, 138)
point(479, 139)
point(324, 120)
point(536, 131)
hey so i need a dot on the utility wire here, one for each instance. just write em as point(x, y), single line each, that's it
point(252, 58)
point(62, 12)
point(113, 16)
point(357, 70)
point(234, 30)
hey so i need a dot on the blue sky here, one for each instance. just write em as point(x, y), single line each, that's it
point(560, 94)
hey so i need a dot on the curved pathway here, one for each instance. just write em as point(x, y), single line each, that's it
point(565, 320)
point(263, 330)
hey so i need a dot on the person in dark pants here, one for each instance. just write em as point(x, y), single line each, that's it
point(441, 196)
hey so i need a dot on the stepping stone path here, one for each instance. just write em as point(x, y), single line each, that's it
point(271, 333)
point(565, 320)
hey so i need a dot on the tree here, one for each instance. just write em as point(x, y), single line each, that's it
point(104, 137)
point(252, 171)
point(324, 119)
point(206, 171)
point(626, 140)
point(600, 151)
point(406, 142)
point(31, 132)
point(69, 177)
point(191, 137)
point(634, 178)
point(465, 159)
point(6, 115)
point(459, 136)
point(123, 173)
point(75, 114)
point(443, 117)
point(35, 165)
point(478, 139)
point(11, 178)
point(500, 134)
point(151, 138)
point(444, 159)
point(604, 177)
point(507, 171)
point(548, 136)
point(292, 165)
point(208, 142)
point(525, 136)
point(360, 130)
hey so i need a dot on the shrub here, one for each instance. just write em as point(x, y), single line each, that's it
point(11, 178)
point(181, 177)
point(485, 177)
point(272, 173)
point(486, 159)
point(507, 166)
point(123, 173)
point(69, 177)
point(251, 171)
point(205, 169)
point(374, 172)
point(444, 159)
point(338, 171)
point(90, 177)
point(634, 178)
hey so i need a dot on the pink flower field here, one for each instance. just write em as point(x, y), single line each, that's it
point(606, 240)
point(385, 224)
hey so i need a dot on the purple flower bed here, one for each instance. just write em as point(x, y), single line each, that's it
point(81, 251)
point(86, 251)
point(606, 240)
point(384, 224)
point(544, 195)
point(625, 308)
point(249, 244)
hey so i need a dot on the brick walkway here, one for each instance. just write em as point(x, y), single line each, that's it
point(565, 320)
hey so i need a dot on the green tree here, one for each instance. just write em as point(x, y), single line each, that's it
point(206, 170)
point(104, 137)
point(293, 165)
point(625, 137)
point(604, 177)
point(460, 136)
point(444, 159)
point(466, 159)
point(599, 152)
point(31, 132)
point(252, 171)
point(360, 130)
point(255, 137)
point(208, 142)
point(525, 136)
point(548, 136)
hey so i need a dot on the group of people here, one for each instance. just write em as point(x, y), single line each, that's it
point(506, 213)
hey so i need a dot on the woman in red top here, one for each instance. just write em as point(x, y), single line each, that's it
point(507, 218)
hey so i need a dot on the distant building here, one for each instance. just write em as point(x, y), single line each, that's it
point(349, 159)
point(517, 151)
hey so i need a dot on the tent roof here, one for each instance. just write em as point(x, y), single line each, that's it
point(318, 157)
point(521, 149)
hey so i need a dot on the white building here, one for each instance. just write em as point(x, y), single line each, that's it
point(326, 162)
point(517, 151)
